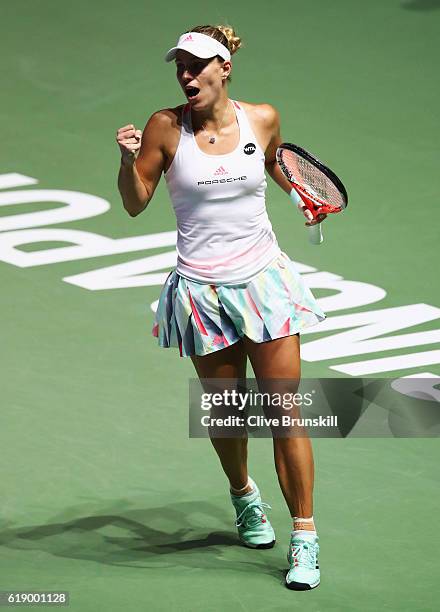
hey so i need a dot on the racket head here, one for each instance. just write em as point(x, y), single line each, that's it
point(312, 178)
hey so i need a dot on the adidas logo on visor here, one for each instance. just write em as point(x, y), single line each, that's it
point(220, 172)
point(188, 38)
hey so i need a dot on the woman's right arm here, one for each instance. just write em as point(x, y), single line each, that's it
point(142, 162)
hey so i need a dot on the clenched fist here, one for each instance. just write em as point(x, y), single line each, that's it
point(129, 141)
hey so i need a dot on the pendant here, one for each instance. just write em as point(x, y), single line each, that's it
point(212, 139)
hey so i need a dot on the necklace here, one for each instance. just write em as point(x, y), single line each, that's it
point(212, 138)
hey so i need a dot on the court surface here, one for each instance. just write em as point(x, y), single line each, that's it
point(103, 493)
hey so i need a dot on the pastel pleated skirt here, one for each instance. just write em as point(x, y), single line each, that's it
point(198, 318)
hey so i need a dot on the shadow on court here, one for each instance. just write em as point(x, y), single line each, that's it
point(421, 5)
point(128, 539)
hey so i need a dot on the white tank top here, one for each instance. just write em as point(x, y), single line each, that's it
point(224, 235)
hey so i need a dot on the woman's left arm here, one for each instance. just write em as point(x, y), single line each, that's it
point(272, 125)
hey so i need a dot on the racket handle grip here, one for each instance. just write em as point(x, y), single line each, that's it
point(314, 231)
point(315, 234)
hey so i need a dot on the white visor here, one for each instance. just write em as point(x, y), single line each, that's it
point(200, 45)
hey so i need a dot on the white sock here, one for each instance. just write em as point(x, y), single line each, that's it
point(299, 519)
point(236, 492)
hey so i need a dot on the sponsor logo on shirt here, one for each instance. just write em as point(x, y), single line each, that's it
point(249, 148)
point(222, 180)
point(220, 172)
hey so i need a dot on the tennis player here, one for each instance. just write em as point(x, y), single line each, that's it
point(234, 294)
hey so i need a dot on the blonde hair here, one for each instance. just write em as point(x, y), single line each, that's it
point(224, 34)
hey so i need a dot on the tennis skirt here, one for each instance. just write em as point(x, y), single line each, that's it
point(198, 318)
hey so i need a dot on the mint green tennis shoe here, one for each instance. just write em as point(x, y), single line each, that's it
point(303, 559)
point(254, 528)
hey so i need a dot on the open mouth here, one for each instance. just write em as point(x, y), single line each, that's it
point(192, 92)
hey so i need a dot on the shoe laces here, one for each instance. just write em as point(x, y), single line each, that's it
point(304, 554)
point(252, 514)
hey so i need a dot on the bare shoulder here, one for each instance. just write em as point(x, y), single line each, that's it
point(160, 139)
point(265, 114)
point(162, 132)
point(264, 120)
point(165, 119)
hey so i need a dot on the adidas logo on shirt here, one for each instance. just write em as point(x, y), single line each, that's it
point(221, 172)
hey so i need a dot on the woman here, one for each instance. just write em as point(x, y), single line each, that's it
point(233, 294)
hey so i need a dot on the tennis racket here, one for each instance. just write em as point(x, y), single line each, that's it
point(319, 188)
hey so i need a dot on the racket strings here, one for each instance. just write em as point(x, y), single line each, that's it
point(311, 179)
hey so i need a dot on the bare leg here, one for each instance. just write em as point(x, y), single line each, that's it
point(228, 363)
point(279, 359)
